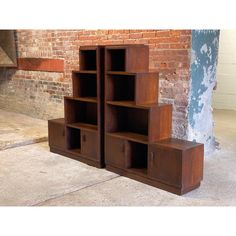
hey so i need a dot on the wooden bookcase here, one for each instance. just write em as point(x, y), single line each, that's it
point(137, 126)
point(113, 119)
point(84, 110)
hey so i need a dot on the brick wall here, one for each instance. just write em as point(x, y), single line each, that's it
point(40, 93)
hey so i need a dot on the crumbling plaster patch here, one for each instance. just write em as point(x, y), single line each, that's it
point(204, 56)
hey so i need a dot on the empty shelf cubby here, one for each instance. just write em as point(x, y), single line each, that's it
point(142, 88)
point(84, 85)
point(127, 58)
point(80, 112)
point(73, 137)
point(88, 59)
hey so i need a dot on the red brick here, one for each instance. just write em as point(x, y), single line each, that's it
point(136, 36)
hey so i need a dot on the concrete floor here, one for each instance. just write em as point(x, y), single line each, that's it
point(31, 175)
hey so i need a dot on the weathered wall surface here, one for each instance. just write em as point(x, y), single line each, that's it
point(40, 93)
point(203, 79)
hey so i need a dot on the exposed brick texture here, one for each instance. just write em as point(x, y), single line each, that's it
point(40, 93)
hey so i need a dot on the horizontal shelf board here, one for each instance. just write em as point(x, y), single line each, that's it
point(178, 144)
point(83, 99)
point(86, 72)
point(130, 104)
point(130, 136)
point(120, 73)
point(87, 99)
point(84, 126)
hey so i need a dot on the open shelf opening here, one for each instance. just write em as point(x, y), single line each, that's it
point(88, 60)
point(85, 85)
point(121, 88)
point(126, 119)
point(116, 59)
point(80, 112)
point(73, 140)
point(137, 157)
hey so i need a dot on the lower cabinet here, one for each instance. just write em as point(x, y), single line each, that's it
point(165, 166)
point(176, 162)
point(89, 144)
point(56, 134)
point(115, 152)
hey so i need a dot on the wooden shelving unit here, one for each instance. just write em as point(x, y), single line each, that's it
point(84, 112)
point(113, 119)
point(136, 125)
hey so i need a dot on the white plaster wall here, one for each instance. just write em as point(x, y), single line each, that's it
point(224, 97)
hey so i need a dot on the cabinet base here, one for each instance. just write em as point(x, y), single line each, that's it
point(77, 158)
point(146, 180)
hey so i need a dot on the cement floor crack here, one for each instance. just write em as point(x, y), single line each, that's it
point(77, 190)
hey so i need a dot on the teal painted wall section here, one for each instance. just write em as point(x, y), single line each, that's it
point(204, 55)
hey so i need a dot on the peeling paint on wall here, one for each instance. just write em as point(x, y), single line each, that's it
point(204, 56)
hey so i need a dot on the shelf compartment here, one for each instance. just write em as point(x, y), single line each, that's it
point(154, 122)
point(120, 87)
point(73, 137)
point(141, 88)
point(137, 158)
point(125, 119)
point(83, 126)
point(84, 84)
point(116, 57)
point(88, 59)
point(127, 58)
point(130, 136)
point(80, 111)
point(125, 154)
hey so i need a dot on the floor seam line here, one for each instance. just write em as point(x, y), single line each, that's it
point(77, 190)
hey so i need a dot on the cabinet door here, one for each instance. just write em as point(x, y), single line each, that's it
point(115, 154)
point(89, 144)
point(56, 135)
point(165, 165)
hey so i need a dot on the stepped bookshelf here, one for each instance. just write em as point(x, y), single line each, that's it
point(113, 119)
point(84, 115)
point(138, 141)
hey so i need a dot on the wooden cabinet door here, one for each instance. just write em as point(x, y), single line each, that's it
point(56, 135)
point(115, 153)
point(165, 165)
point(89, 144)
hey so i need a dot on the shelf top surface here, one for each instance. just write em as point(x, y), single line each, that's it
point(140, 138)
point(84, 71)
point(133, 105)
point(176, 144)
point(82, 99)
point(85, 126)
point(132, 73)
point(59, 120)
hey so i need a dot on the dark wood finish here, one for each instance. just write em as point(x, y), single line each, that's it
point(142, 177)
point(56, 133)
point(127, 58)
point(84, 112)
point(176, 162)
point(153, 122)
point(142, 88)
point(138, 141)
point(89, 144)
point(115, 151)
